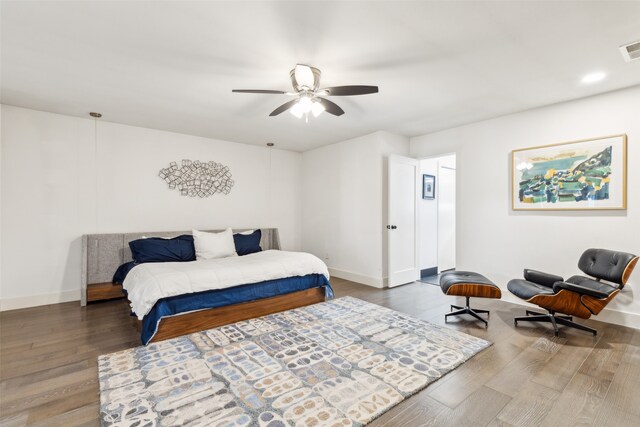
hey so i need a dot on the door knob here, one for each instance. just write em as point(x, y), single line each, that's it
point(391, 227)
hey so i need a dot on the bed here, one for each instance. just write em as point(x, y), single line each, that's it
point(200, 308)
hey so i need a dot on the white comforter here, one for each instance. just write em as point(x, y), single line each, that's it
point(147, 283)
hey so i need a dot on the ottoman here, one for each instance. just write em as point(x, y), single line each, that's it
point(468, 284)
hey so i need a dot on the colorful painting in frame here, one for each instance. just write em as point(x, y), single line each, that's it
point(586, 174)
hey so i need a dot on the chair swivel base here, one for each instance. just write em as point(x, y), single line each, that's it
point(475, 312)
point(554, 319)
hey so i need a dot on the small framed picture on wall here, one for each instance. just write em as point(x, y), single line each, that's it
point(428, 187)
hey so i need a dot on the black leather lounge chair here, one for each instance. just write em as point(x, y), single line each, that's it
point(579, 296)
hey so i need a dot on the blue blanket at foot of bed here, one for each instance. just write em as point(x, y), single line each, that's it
point(180, 304)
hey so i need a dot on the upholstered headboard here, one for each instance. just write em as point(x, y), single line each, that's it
point(102, 254)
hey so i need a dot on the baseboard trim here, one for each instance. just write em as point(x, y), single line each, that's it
point(622, 318)
point(37, 300)
point(376, 282)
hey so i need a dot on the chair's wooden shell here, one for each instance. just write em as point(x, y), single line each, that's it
point(582, 306)
point(475, 290)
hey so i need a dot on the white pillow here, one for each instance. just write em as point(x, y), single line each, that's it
point(214, 245)
point(245, 233)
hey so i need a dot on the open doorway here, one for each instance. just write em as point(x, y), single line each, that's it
point(437, 217)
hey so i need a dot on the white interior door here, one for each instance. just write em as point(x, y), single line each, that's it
point(446, 218)
point(402, 225)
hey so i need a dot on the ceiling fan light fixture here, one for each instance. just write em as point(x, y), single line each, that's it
point(296, 110)
point(317, 109)
point(305, 104)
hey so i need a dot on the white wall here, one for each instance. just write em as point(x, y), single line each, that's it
point(344, 205)
point(59, 182)
point(498, 242)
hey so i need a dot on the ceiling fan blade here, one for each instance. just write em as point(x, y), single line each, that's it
point(284, 107)
point(350, 90)
point(276, 92)
point(331, 107)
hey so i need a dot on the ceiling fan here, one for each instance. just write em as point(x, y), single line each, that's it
point(306, 83)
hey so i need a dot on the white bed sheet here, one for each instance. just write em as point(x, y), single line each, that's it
point(147, 283)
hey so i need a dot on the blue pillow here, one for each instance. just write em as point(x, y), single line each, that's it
point(156, 249)
point(122, 271)
point(248, 243)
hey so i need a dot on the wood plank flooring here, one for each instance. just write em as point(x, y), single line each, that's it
point(48, 366)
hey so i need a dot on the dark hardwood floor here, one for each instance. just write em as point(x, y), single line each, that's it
point(48, 372)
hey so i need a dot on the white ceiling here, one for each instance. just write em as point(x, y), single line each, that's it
point(172, 65)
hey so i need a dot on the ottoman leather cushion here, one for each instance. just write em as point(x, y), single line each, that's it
point(468, 284)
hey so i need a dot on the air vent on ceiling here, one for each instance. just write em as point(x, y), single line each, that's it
point(631, 51)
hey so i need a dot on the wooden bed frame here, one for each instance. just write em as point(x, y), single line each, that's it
point(171, 327)
point(103, 253)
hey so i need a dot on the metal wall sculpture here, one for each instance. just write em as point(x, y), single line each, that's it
point(198, 179)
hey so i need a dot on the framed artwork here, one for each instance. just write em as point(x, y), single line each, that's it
point(428, 186)
point(586, 174)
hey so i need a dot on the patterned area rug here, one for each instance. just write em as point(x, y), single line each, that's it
point(339, 363)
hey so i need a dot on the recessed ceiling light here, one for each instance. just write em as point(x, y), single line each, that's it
point(594, 77)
